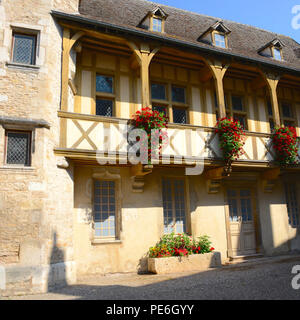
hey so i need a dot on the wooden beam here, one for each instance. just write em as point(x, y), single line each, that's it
point(68, 43)
point(218, 71)
point(272, 82)
point(269, 179)
point(258, 83)
point(144, 55)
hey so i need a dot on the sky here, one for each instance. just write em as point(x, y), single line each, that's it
point(271, 15)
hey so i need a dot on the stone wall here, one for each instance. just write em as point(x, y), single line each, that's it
point(36, 202)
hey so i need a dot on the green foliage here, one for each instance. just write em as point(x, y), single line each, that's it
point(180, 244)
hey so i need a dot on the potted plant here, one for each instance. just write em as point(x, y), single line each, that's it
point(180, 252)
point(232, 139)
point(153, 123)
point(285, 143)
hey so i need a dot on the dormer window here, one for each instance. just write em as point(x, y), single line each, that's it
point(220, 40)
point(216, 35)
point(154, 20)
point(277, 54)
point(273, 50)
point(157, 24)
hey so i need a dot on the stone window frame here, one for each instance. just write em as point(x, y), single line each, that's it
point(23, 125)
point(287, 191)
point(29, 151)
point(19, 28)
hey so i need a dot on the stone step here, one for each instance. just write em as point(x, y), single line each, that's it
point(244, 258)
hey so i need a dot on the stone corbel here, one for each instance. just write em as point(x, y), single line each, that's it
point(138, 172)
point(62, 163)
point(213, 179)
point(269, 179)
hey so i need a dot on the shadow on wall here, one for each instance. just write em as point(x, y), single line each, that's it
point(57, 269)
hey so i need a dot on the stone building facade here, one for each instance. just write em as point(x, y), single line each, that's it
point(50, 231)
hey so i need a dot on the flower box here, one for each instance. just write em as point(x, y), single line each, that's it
point(195, 262)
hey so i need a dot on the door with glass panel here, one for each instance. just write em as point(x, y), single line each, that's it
point(241, 217)
point(173, 194)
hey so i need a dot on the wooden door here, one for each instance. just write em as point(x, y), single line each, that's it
point(241, 204)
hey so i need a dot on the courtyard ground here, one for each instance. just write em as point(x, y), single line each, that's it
point(263, 279)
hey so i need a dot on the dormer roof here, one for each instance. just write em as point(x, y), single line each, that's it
point(185, 27)
point(274, 43)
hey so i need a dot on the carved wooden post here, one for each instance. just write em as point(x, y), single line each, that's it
point(68, 43)
point(272, 82)
point(144, 56)
point(219, 70)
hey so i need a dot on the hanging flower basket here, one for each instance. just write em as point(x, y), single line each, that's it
point(232, 139)
point(152, 123)
point(285, 143)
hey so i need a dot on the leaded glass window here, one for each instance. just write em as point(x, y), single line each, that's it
point(18, 148)
point(286, 110)
point(105, 208)
point(158, 91)
point(104, 84)
point(24, 48)
point(237, 103)
point(287, 114)
point(292, 203)
point(174, 205)
point(104, 107)
point(179, 115)
point(178, 94)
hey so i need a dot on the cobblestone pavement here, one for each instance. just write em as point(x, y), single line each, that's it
point(267, 278)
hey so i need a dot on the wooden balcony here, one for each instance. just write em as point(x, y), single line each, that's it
point(86, 136)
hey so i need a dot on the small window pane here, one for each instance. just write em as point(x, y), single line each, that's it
point(24, 49)
point(237, 103)
point(104, 84)
point(272, 124)
point(220, 40)
point(178, 94)
point(179, 115)
point(277, 54)
point(287, 110)
point(18, 148)
point(157, 25)
point(158, 91)
point(104, 107)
